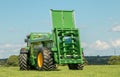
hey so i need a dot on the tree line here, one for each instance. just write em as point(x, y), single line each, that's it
point(88, 60)
point(102, 60)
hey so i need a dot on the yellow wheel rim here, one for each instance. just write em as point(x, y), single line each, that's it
point(40, 60)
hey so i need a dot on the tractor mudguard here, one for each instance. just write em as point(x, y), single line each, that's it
point(23, 51)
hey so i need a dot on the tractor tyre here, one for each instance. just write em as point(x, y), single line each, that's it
point(75, 66)
point(45, 60)
point(23, 61)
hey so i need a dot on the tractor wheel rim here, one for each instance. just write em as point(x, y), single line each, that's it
point(40, 60)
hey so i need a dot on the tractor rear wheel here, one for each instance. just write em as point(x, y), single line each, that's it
point(75, 66)
point(23, 61)
point(45, 60)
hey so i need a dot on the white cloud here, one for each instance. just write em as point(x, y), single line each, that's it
point(92, 49)
point(10, 47)
point(116, 28)
point(116, 43)
point(83, 26)
point(84, 45)
point(100, 45)
point(11, 29)
point(110, 18)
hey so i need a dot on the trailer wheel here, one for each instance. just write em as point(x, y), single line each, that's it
point(80, 66)
point(45, 60)
point(75, 66)
point(23, 61)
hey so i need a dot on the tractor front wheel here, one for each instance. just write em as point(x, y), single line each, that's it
point(45, 60)
point(23, 61)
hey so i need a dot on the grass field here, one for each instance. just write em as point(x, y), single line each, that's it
point(89, 71)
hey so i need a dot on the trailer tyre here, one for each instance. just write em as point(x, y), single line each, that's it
point(80, 66)
point(75, 66)
point(45, 60)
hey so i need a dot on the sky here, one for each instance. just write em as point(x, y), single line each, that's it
point(97, 20)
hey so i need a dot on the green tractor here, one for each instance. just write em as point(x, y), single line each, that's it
point(44, 50)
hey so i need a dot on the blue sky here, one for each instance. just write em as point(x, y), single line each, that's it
point(98, 21)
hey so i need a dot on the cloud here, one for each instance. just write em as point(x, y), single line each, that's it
point(100, 45)
point(116, 43)
point(111, 18)
point(83, 26)
point(116, 28)
point(84, 44)
point(108, 47)
point(10, 46)
point(8, 49)
point(11, 29)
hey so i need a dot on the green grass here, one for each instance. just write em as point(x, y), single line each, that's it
point(89, 71)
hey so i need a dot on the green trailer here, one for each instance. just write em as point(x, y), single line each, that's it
point(44, 51)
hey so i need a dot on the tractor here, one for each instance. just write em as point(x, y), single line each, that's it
point(44, 51)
